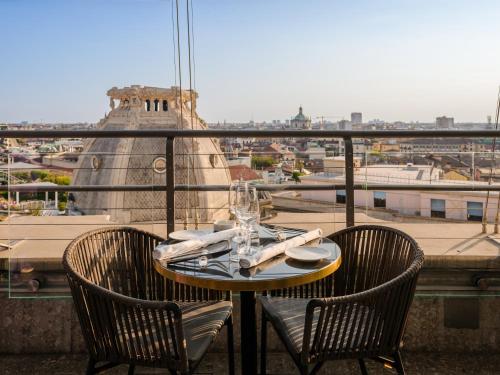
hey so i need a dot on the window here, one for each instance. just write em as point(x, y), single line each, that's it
point(95, 162)
point(379, 199)
point(340, 198)
point(160, 165)
point(165, 106)
point(157, 105)
point(438, 208)
point(148, 105)
point(474, 211)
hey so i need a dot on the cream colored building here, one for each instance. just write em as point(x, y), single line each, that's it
point(336, 164)
point(455, 205)
point(141, 161)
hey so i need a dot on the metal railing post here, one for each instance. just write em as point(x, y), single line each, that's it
point(170, 184)
point(349, 182)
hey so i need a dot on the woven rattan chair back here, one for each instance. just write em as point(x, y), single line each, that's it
point(122, 303)
point(373, 290)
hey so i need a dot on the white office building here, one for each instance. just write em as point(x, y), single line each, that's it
point(455, 205)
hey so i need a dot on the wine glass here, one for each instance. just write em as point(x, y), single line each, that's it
point(242, 202)
point(240, 205)
point(253, 216)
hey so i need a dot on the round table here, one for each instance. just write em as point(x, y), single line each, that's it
point(222, 274)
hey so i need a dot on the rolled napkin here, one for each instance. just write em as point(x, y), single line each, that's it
point(208, 250)
point(247, 261)
point(259, 268)
point(166, 251)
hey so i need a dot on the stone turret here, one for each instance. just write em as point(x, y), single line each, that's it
point(141, 161)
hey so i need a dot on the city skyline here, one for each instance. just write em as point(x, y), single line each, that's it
point(394, 61)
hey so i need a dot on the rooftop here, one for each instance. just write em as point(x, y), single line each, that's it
point(300, 116)
point(19, 165)
point(450, 312)
point(46, 237)
point(243, 172)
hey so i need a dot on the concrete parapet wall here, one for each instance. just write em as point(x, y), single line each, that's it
point(436, 323)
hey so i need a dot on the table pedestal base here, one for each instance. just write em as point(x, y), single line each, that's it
point(248, 326)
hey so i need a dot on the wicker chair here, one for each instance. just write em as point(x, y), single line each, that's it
point(126, 311)
point(365, 318)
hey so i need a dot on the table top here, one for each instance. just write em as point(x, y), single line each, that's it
point(279, 272)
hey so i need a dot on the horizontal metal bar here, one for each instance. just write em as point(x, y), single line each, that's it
point(76, 188)
point(264, 187)
point(326, 187)
point(253, 133)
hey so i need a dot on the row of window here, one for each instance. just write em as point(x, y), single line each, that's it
point(474, 209)
point(156, 105)
point(438, 206)
point(378, 198)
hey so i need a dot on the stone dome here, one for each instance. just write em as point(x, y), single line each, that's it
point(300, 116)
point(141, 161)
point(300, 121)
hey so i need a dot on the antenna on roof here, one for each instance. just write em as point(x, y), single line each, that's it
point(493, 163)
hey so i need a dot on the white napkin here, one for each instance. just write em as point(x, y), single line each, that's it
point(247, 261)
point(165, 251)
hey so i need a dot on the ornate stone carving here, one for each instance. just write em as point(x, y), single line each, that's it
point(141, 161)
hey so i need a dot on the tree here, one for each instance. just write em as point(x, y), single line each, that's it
point(38, 175)
point(262, 162)
point(25, 176)
point(296, 176)
point(299, 164)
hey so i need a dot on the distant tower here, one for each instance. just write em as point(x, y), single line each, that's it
point(444, 122)
point(356, 118)
point(344, 125)
point(141, 161)
point(300, 121)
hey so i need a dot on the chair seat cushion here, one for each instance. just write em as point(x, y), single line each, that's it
point(202, 321)
point(288, 318)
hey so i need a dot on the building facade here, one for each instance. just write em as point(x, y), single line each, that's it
point(141, 161)
point(444, 122)
point(356, 118)
point(300, 121)
point(457, 205)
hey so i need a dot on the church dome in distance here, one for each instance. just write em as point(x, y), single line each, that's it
point(300, 121)
point(300, 116)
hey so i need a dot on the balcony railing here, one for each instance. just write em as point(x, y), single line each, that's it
point(347, 183)
point(170, 187)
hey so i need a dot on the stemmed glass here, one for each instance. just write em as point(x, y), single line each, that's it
point(238, 206)
point(242, 203)
point(253, 216)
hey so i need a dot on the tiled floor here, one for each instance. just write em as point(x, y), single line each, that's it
point(416, 363)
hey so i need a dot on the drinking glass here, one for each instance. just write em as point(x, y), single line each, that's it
point(253, 216)
point(240, 204)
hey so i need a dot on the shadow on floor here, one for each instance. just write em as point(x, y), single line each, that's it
point(214, 363)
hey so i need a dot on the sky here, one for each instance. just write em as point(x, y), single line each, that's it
point(406, 60)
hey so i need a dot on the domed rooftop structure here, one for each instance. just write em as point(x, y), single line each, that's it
point(141, 161)
point(300, 116)
point(300, 121)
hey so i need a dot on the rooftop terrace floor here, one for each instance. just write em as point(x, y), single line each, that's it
point(47, 236)
point(215, 363)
